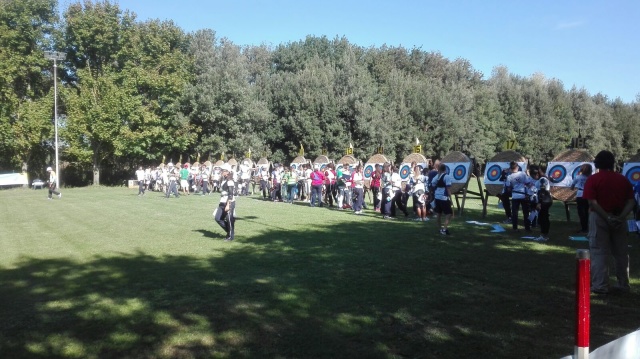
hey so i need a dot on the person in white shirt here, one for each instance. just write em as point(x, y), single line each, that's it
point(518, 182)
point(140, 177)
point(581, 203)
point(53, 183)
point(307, 182)
point(418, 192)
point(442, 182)
point(224, 214)
point(358, 189)
point(396, 181)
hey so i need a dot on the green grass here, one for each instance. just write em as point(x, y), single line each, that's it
point(102, 273)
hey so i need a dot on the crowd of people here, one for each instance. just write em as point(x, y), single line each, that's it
point(604, 199)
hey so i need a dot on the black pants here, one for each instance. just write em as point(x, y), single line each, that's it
point(376, 201)
point(397, 201)
point(140, 187)
point(543, 218)
point(329, 193)
point(583, 213)
point(226, 220)
point(506, 204)
point(387, 202)
point(515, 207)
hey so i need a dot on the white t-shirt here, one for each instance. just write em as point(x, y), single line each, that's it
point(441, 192)
point(140, 175)
point(307, 174)
point(358, 180)
point(578, 183)
point(396, 180)
point(519, 182)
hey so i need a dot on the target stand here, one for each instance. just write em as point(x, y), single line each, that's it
point(460, 167)
point(493, 171)
point(557, 174)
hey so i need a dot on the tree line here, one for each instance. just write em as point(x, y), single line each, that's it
point(139, 92)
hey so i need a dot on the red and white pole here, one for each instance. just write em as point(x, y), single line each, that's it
point(583, 297)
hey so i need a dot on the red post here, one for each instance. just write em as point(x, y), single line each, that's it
point(583, 293)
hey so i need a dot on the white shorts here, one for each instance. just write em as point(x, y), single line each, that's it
point(184, 183)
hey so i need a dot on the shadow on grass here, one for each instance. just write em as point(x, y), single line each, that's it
point(389, 291)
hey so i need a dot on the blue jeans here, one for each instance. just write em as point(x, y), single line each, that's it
point(316, 195)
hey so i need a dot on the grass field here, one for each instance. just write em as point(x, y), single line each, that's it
point(103, 273)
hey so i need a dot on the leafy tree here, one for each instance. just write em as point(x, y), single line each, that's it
point(25, 28)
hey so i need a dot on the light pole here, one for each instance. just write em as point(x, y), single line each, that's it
point(55, 56)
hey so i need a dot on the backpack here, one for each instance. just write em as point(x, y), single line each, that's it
point(544, 196)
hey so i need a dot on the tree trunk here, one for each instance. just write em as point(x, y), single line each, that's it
point(96, 171)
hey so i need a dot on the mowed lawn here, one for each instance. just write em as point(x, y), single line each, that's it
point(103, 273)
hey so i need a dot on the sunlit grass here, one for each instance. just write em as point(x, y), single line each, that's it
point(104, 273)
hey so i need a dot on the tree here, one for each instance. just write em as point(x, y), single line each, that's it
point(25, 110)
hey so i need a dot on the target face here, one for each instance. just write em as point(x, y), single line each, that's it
point(633, 174)
point(294, 166)
point(338, 168)
point(448, 172)
point(576, 171)
point(460, 172)
point(323, 166)
point(557, 173)
point(493, 173)
point(368, 170)
point(405, 172)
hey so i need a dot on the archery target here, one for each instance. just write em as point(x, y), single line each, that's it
point(294, 166)
point(448, 172)
point(460, 172)
point(339, 167)
point(494, 172)
point(405, 171)
point(323, 166)
point(557, 173)
point(368, 170)
point(575, 172)
point(633, 174)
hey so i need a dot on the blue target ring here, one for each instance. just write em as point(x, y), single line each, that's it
point(368, 170)
point(448, 172)
point(633, 174)
point(460, 172)
point(494, 172)
point(576, 171)
point(405, 171)
point(557, 173)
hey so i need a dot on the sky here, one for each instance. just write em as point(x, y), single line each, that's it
point(588, 44)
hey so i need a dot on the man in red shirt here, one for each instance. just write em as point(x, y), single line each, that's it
point(610, 197)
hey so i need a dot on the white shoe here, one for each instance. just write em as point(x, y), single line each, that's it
point(541, 239)
point(60, 195)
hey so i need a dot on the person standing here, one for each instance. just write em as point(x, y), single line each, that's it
point(53, 183)
point(140, 176)
point(582, 203)
point(358, 188)
point(442, 183)
point(173, 182)
point(610, 197)
point(375, 187)
point(542, 202)
point(263, 173)
point(329, 184)
point(291, 179)
point(518, 182)
point(317, 180)
point(204, 174)
point(184, 179)
point(397, 194)
point(276, 184)
point(225, 214)
point(387, 188)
